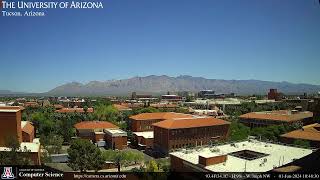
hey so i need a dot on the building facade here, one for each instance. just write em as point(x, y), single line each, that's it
point(310, 133)
point(144, 140)
point(274, 94)
point(102, 133)
point(10, 119)
point(189, 132)
point(269, 118)
point(144, 121)
point(12, 127)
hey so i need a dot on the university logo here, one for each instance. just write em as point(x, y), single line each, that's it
point(7, 173)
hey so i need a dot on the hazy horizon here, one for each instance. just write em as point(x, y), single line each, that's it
point(86, 82)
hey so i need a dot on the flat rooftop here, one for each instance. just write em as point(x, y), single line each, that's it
point(276, 155)
point(23, 124)
point(116, 132)
point(145, 134)
point(280, 115)
point(11, 108)
point(30, 146)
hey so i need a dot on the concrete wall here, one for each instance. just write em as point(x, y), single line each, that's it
point(204, 161)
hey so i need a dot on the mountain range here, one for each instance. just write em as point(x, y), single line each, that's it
point(161, 84)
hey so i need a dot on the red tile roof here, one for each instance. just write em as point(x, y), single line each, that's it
point(121, 107)
point(18, 108)
point(71, 110)
point(282, 115)
point(95, 125)
point(31, 104)
point(28, 128)
point(309, 132)
point(133, 105)
point(160, 116)
point(190, 123)
point(58, 106)
point(164, 105)
point(291, 168)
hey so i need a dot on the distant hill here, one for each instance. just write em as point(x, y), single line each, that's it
point(161, 84)
point(8, 92)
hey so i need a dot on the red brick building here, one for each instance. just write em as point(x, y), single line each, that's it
point(187, 132)
point(28, 132)
point(268, 118)
point(73, 110)
point(310, 133)
point(31, 104)
point(143, 140)
point(120, 107)
point(102, 132)
point(144, 121)
point(274, 94)
point(165, 106)
point(11, 126)
point(10, 123)
point(171, 98)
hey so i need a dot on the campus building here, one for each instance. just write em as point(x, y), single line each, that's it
point(172, 98)
point(12, 127)
point(144, 121)
point(179, 133)
point(102, 133)
point(309, 133)
point(274, 94)
point(246, 156)
point(206, 94)
point(165, 106)
point(74, 110)
point(267, 118)
point(121, 108)
point(144, 140)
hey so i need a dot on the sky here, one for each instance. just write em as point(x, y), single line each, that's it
point(217, 39)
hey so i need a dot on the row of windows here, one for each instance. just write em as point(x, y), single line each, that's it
point(190, 144)
point(198, 135)
point(196, 130)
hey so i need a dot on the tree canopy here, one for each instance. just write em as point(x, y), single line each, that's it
point(83, 156)
point(123, 158)
point(16, 155)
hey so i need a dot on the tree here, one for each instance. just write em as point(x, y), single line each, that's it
point(85, 109)
point(137, 157)
point(164, 164)
point(145, 110)
point(302, 143)
point(52, 143)
point(270, 132)
point(16, 155)
point(182, 110)
point(152, 166)
point(238, 131)
point(106, 113)
point(83, 156)
point(122, 158)
point(44, 124)
point(65, 127)
point(15, 104)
